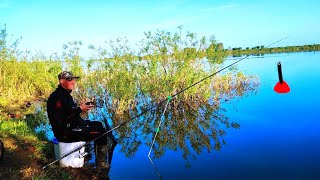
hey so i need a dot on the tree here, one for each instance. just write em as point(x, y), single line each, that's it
point(219, 47)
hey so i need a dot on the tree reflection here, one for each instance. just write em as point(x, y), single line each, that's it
point(191, 123)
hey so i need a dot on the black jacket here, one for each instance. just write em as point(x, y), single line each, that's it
point(63, 114)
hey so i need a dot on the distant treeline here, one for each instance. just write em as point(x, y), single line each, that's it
point(216, 51)
point(263, 50)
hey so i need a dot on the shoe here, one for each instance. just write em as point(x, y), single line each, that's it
point(103, 174)
point(102, 166)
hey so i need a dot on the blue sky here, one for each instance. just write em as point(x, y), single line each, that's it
point(48, 24)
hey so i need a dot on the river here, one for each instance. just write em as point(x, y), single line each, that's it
point(278, 136)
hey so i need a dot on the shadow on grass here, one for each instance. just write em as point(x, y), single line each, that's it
point(24, 159)
point(21, 158)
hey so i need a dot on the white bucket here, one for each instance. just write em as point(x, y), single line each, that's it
point(76, 159)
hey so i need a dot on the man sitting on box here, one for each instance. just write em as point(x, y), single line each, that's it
point(68, 126)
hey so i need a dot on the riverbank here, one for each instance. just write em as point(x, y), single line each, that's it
point(27, 152)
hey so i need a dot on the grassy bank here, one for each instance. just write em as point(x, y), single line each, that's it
point(27, 152)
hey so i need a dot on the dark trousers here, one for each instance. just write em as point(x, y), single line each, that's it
point(94, 129)
point(87, 131)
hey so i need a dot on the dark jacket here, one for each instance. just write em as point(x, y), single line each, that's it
point(64, 115)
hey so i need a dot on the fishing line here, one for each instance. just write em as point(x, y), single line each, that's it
point(150, 108)
point(157, 130)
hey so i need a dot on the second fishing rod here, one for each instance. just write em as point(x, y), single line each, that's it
point(158, 104)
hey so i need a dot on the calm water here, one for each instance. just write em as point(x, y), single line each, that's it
point(278, 136)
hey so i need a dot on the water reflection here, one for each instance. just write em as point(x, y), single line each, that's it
point(191, 124)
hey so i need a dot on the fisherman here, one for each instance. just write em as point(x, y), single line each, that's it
point(68, 126)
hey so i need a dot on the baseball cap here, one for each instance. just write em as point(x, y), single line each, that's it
point(67, 75)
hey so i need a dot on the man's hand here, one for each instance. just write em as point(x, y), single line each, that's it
point(85, 108)
point(89, 103)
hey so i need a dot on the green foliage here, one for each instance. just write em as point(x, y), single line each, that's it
point(23, 81)
point(16, 127)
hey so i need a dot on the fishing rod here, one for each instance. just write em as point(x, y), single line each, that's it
point(150, 108)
